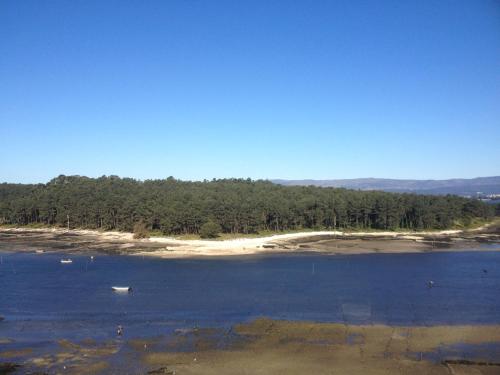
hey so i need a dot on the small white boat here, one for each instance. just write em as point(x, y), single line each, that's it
point(40, 251)
point(121, 289)
point(66, 261)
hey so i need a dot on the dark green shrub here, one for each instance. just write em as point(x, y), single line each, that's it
point(210, 230)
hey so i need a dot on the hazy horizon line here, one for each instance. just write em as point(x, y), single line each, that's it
point(251, 178)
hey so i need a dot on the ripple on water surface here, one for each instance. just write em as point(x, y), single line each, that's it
point(44, 299)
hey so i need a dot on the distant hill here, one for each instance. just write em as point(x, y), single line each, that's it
point(459, 186)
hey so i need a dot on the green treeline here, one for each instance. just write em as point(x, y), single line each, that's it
point(236, 205)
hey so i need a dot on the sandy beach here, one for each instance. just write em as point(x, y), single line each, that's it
point(331, 242)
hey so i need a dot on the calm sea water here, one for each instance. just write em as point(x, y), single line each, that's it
point(42, 299)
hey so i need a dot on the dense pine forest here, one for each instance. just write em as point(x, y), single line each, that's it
point(236, 205)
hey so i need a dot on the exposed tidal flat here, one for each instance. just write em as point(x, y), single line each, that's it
point(273, 314)
point(277, 347)
point(327, 242)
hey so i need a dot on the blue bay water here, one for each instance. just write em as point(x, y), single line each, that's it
point(42, 299)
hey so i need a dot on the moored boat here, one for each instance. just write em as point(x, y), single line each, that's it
point(65, 261)
point(121, 289)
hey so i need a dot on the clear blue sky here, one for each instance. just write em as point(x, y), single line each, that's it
point(262, 89)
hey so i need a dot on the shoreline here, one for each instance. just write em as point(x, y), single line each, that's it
point(327, 242)
point(271, 346)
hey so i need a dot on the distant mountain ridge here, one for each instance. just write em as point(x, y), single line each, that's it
point(458, 186)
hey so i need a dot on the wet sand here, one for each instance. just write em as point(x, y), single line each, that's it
point(276, 347)
point(280, 347)
point(330, 242)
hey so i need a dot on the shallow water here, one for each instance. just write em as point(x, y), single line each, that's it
point(42, 299)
